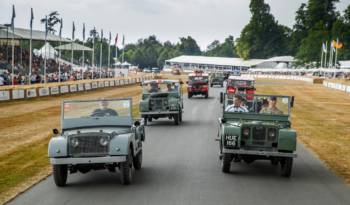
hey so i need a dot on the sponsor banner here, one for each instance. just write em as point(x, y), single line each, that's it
point(54, 90)
point(111, 83)
point(44, 92)
point(73, 88)
point(17, 94)
point(4, 95)
point(116, 82)
point(81, 87)
point(31, 93)
point(101, 84)
point(64, 89)
point(94, 85)
point(106, 83)
point(121, 82)
point(87, 86)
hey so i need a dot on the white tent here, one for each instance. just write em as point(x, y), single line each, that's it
point(47, 51)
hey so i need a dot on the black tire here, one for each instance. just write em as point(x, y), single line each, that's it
point(176, 119)
point(189, 95)
point(145, 119)
point(138, 160)
point(180, 116)
point(226, 162)
point(286, 166)
point(60, 173)
point(206, 95)
point(150, 119)
point(211, 85)
point(274, 161)
point(126, 170)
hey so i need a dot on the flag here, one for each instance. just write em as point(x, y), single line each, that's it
point(324, 47)
point(73, 31)
point(123, 40)
point(101, 35)
point(13, 17)
point(338, 44)
point(31, 18)
point(61, 26)
point(83, 31)
point(116, 40)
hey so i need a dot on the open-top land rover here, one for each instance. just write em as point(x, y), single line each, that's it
point(217, 78)
point(240, 85)
point(96, 134)
point(257, 131)
point(198, 84)
point(161, 99)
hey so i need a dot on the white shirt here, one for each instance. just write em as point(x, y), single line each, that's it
point(232, 108)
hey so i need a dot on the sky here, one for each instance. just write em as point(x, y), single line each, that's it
point(204, 20)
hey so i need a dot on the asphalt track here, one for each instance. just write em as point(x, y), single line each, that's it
point(181, 166)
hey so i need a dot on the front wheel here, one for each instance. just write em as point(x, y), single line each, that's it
point(180, 116)
point(177, 119)
point(60, 173)
point(189, 95)
point(138, 160)
point(286, 167)
point(226, 163)
point(145, 121)
point(126, 170)
point(206, 95)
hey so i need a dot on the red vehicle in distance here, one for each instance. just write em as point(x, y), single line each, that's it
point(198, 84)
point(237, 85)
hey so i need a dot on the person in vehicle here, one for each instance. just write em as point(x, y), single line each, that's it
point(271, 108)
point(237, 106)
point(154, 88)
point(104, 111)
point(169, 88)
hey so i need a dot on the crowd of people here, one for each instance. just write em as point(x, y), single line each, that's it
point(19, 74)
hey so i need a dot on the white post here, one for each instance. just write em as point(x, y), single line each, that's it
point(325, 57)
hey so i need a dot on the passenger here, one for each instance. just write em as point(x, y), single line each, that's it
point(104, 111)
point(169, 87)
point(271, 108)
point(237, 106)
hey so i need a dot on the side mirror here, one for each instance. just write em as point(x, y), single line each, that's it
point(292, 102)
point(137, 123)
point(55, 131)
point(221, 97)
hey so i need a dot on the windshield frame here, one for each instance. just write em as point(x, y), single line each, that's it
point(146, 92)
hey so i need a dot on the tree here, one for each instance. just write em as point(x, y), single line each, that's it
point(188, 46)
point(300, 29)
point(263, 37)
point(225, 49)
point(52, 20)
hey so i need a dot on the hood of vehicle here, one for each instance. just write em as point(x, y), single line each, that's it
point(258, 123)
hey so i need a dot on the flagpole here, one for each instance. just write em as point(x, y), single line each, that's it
point(59, 52)
point(13, 43)
point(45, 81)
point(101, 54)
point(93, 54)
point(71, 46)
point(325, 57)
point(123, 49)
point(30, 45)
point(109, 50)
point(322, 55)
point(336, 52)
point(83, 64)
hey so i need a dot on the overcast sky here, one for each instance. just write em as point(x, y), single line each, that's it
point(205, 20)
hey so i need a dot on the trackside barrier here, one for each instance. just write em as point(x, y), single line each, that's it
point(281, 77)
point(337, 86)
point(26, 92)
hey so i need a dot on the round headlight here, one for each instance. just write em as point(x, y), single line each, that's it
point(246, 132)
point(104, 141)
point(74, 142)
point(272, 133)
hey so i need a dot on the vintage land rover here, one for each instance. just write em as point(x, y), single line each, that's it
point(96, 134)
point(217, 79)
point(261, 131)
point(198, 84)
point(161, 99)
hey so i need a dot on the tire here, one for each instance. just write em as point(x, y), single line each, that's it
point(206, 95)
point(150, 119)
point(138, 160)
point(180, 116)
point(226, 163)
point(189, 95)
point(274, 161)
point(176, 119)
point(126, 170)
point(211, 85)
point(145, 119)
point(286, 167)
point(60, 173)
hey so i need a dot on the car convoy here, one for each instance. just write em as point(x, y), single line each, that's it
point(102, 134)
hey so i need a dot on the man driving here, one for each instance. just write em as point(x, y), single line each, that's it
point(154, 88)
point(169, 88)
point(104, 111)
point(271, 108)
point(237, 106)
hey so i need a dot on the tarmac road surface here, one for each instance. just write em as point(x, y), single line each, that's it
point(181, 166)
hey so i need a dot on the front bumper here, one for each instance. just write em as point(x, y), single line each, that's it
point(88, 160)
point(160, 112)
point(260, 153)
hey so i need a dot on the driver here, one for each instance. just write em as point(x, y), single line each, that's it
point(237, 106)
point(104, 111)
point(169, 88)
point(154, 88)
point(271, 108)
